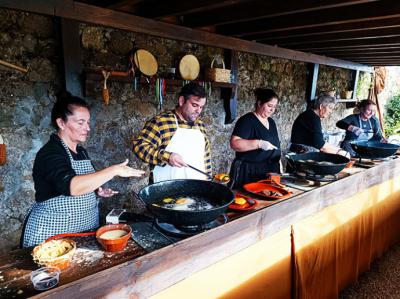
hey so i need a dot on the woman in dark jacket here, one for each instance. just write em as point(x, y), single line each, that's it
point(361, 126)
point(65, 179)
point(256, 142)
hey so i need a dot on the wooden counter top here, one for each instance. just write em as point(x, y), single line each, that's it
point(135, 274)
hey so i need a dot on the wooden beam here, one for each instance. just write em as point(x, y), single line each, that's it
point(312, 78)
point(158, 9)
point(101, 16)
point(390, 41)
point(343, 36)
point(262, 9)
point(71, 45)
point(347, 51)
point(326, 29)
point(370, 11)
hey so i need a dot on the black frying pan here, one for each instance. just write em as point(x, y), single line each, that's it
point(218, 195)
point(302, 163)
point(374, 149)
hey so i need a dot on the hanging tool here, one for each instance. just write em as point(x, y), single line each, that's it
point(3, 155)
point(106, 94)
point(13, 66)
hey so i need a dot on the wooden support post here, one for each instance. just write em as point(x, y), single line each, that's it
point(229, 95)
point(312, 78)
point(71, 46)
point(353, 86)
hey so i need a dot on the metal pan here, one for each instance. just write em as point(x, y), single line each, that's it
point(310, 163)
point(218, 195)
point(374, 149)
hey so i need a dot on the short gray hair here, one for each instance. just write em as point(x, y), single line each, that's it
point(323, 100)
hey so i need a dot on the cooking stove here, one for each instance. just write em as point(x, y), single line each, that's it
point(153, 235)
point(368, 163)
point(317, 177)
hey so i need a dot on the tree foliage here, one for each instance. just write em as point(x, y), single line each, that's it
point(392, 116)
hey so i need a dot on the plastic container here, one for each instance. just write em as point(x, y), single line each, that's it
point(45, 278)
point(114, 245)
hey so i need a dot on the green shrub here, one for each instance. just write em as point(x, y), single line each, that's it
point(392, 116)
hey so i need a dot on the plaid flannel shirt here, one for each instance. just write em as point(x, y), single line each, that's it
point(152, 140)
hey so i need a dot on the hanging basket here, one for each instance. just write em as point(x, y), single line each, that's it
point(3, 155)
point(218, 74)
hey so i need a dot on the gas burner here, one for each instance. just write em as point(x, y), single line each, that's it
point(317, 177)
point(187, 231)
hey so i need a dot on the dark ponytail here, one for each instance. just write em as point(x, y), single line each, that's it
point(64, 107)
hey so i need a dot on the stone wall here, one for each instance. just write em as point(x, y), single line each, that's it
point(26, 100)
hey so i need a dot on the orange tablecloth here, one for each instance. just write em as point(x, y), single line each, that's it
point(331, 248)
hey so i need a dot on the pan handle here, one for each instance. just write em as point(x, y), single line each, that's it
point(290, 161)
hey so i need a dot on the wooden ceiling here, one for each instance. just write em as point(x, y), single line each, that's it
point(361, 31)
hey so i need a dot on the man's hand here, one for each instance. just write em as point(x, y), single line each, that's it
point(106, 192)
point(266, 145)
point(356, 130)
point(176, 160)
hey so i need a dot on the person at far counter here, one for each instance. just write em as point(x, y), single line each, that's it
point(256, 142)
point(175, 139)
point(65, 179)
point(307, 135)
point(361, 126)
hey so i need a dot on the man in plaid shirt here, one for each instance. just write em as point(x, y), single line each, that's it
point(174, 139)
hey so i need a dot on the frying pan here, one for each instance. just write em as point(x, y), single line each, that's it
point(218, 195)
point(374, 149)
point(302, 163)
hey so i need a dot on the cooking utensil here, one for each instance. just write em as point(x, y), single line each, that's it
point(309, 163)
point(13, 66)
point(189, 67)
point(262, 187)
point(202, 172)
point(106, 94)
point(218, 195)
point(374, 149)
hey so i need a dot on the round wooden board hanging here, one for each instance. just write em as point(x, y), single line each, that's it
point(145, 62)
point(189, 67)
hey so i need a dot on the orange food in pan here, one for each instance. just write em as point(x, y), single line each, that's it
point(223, 177)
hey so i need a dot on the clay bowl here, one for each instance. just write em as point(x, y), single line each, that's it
point(55, 253)
point(112, 243)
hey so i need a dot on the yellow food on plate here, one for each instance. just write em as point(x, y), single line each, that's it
point(181, 201)
point(168, 199)
point(222, 177)
point(240, 200)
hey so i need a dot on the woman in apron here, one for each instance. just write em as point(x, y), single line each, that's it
point(256, 142)
point(361, 126)
point(65, 180)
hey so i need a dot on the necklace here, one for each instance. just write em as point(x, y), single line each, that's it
point(265, 122)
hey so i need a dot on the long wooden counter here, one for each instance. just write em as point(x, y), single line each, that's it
point(135, 274)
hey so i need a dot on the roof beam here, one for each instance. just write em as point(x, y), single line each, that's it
point(326, 29)
point(338, 37)
point(373, 42)
point(341, 15)
point(101, 16)
point(262, 9)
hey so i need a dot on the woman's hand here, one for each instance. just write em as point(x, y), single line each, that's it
point(106, 192)
point(123, 170)
point(266, 145)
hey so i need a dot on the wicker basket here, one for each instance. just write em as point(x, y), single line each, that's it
point(217, 74)
point(346, 94)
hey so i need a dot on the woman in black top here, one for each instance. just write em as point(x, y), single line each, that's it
point(65, 179)
point(307, 135)
point(256, 142)
point(361, 126)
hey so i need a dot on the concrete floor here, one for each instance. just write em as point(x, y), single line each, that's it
point(381, 281)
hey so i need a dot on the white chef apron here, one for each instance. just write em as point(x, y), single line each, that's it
point(365, 136)
point(190, 145)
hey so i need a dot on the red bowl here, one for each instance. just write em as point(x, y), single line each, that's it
point(114, 245)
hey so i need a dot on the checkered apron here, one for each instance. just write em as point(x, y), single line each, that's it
point(63, 214)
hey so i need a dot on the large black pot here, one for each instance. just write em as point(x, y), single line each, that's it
point(218, 195)
point(300, 164)
point(374, 149)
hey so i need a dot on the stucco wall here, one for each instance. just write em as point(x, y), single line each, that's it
point(26, 100)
